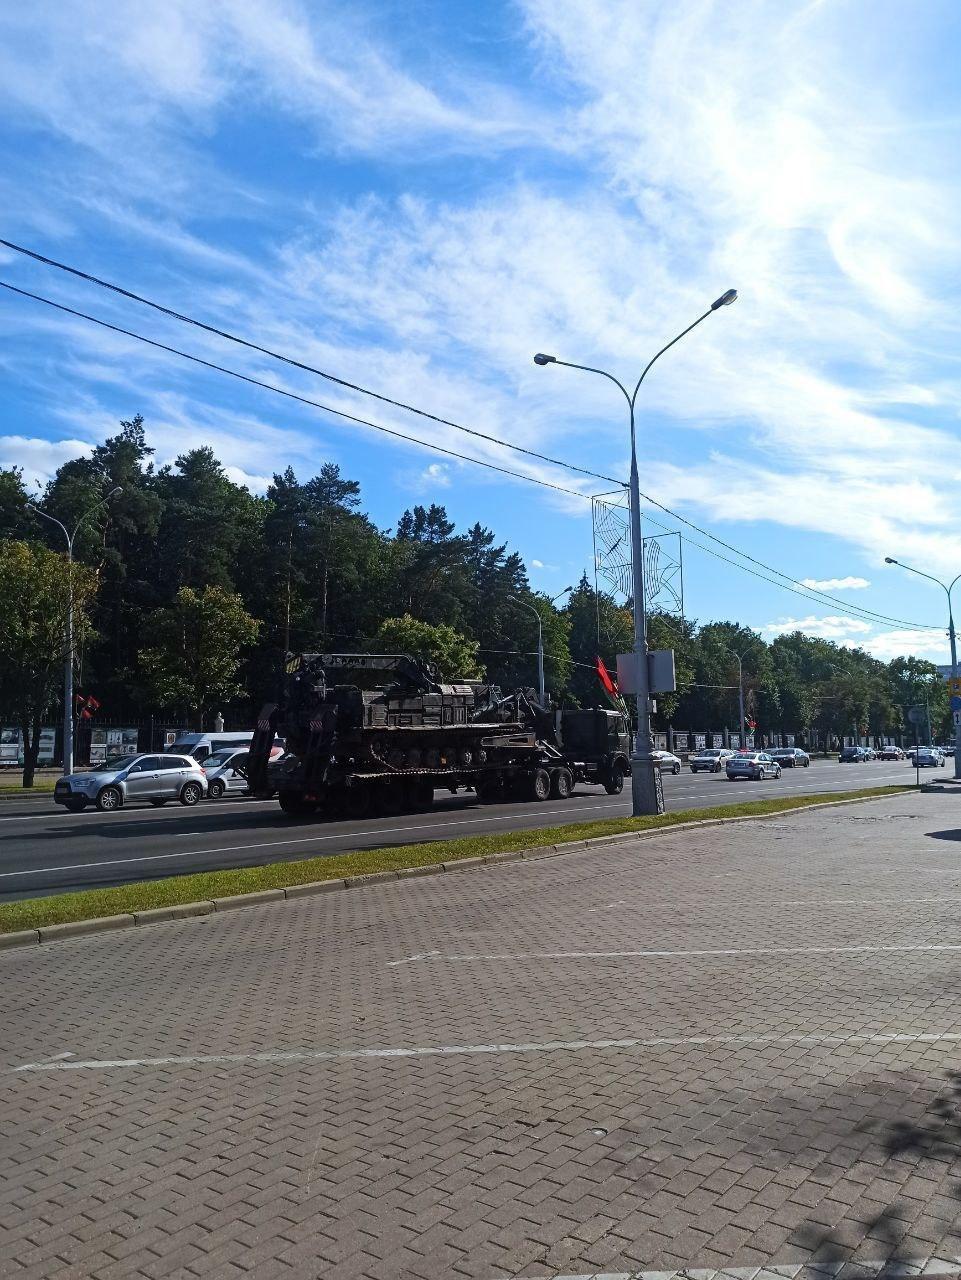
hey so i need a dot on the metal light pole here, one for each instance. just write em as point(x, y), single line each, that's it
point(740, 694)
point(947, 588)
point(68, 659)
point(540, 638)
point(645, 791)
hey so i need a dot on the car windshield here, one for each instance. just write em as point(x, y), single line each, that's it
point(112, 763)
point(708, 753)
point(217, 758)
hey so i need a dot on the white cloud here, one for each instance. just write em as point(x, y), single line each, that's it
point(827, 628)
point(836, 584)
point(919, 644)
point(39, 459)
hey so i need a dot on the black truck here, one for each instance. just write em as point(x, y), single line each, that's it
point(379, 733)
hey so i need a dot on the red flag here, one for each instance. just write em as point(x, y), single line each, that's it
point(605, 677)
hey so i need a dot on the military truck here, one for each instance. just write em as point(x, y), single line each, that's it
point(379, 733)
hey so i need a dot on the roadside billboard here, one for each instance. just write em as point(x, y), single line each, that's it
point(9, 746)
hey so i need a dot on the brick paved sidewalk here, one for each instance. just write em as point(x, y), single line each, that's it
point(730, 1048)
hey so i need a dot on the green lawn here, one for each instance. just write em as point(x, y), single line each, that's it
point(33, 913)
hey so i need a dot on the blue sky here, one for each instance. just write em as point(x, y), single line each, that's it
point(417, 197)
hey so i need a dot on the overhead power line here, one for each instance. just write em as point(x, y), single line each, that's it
point(795, 585)
point(296, 364)
point(291, 395)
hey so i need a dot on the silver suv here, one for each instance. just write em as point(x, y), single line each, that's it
point(122, 778)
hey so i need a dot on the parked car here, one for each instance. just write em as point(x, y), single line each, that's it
point(124, 778)
point(709, 759)
point(853, 755)
point(790, 757)
point(666, 762)
point(226, 770)
point(891, 753)
point(751, 764)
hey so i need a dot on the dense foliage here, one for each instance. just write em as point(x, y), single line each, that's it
point(202, 586)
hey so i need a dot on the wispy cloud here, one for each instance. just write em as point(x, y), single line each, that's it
point(836, 584)
point(827, 628)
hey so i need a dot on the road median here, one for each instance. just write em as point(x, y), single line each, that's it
point(27, 921)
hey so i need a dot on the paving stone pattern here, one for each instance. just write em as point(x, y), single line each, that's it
point(532, 1162)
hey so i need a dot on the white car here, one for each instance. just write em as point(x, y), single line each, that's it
point(666, 762)
point(226, 770)
point(709, 759)
point(752, 764)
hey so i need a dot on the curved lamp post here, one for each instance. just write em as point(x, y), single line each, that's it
point(947, 589)
point(68, 660)
point(540, 637)
point(645, 792)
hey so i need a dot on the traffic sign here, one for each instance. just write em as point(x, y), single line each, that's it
point(957, 719)
point(917, 715)
point(954, 684)
point(955, 702)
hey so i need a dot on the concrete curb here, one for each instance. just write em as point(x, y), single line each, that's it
point(185, 910)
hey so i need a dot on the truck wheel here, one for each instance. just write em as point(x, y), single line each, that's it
point(295, 806)
point(562, 783)
point(388, 800)
point(540, 785)
point(488, 790)
point(615, 782)
point(420, 795)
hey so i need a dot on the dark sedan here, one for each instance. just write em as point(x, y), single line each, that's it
point(790, 757)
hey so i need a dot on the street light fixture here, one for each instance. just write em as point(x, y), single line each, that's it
point(540, 638)
point(947, 588)
point(646, 793)
point(68, 660)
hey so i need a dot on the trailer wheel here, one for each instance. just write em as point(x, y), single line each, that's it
point(562, 783)
point(388, 799)
point(615, 781)
point(420, 795)
point(295, 806)
point(355, 801)
point(540, 785)
point(488, 790)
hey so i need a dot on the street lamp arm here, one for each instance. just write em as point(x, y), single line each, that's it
point(586, 368)
point(53, 520)
point(654, 359)
point(921, 573)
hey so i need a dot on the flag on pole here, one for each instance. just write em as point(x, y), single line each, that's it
point(605, 677)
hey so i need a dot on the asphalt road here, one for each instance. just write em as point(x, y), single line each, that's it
point(44, 849)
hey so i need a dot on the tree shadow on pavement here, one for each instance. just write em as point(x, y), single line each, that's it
point(938, 1134)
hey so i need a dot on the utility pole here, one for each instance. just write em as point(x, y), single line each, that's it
point(68, 658)
point(646, 791)
point(947, 588)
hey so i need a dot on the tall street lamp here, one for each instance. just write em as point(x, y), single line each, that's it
point(645, 792)
point(540, 638)
point(740, 691)
point(947, 589)
point(68, 660)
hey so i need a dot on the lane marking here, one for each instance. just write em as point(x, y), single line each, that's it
point(348, 835)
point(421, 955)
point(714, 951)
point(816, 1268)
point(129, 814)
point(270, 844)
point(458, 1050)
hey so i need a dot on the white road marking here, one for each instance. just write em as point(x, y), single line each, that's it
point(421, 955)
point(609, 808)
point(816, 1267)
point(129, 814)
point(457, 1050)
point(716, 951)
point(270, 844)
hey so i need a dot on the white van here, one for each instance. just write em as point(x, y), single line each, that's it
point(226, 770)
point(201, 745)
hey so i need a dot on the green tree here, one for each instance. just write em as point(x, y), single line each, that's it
point(35, 586)
point(599, 627)
point(453, 655)
point(195, 659)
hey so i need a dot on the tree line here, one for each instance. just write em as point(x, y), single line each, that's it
point(188, 588)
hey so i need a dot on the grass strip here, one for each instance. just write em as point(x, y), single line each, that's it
point(87, 904)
